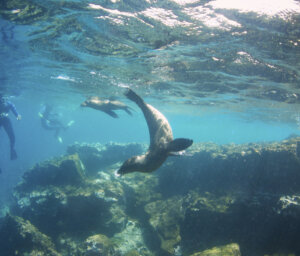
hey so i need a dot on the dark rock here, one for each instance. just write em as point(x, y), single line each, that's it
point(97, 156)
point(213, 196)
point(56, 197)
point(64, 171)
point(298, 149)
point(268, 168)
point(260, 224)
point(165, 216)
point(20, 237)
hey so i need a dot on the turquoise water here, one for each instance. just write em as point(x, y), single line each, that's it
point(219, 71)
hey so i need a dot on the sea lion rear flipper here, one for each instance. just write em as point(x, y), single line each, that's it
point(111, 113)
point(130, 94)
point(179, 144)
point(148, 112)
point(128, 111)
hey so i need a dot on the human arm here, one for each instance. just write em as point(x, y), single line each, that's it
point(14, 110)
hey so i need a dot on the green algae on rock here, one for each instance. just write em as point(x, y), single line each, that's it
point(97, 156)
point(131, 239)
point(213, 196)
point(64, 171)
point(227, 250)
point(99, 245)
point(20, 237)
point(165, 217)
point(56, 194)
point(266, 167)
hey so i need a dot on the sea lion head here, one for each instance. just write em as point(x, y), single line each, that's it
point(94, 100)
point(87, 102)
point(132, 164)
point(84, 104)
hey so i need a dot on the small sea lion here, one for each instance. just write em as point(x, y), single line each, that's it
point(162, 143)
point(107, 106)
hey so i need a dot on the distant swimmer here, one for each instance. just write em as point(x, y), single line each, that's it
point(5, 107)
point(162, 143)
point(107, 106)
point(51, 120)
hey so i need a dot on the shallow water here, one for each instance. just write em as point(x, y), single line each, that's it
point(220, 71)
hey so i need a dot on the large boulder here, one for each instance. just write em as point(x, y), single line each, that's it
point(20, 237)
point(265, 167)
point(98, 156)
point(259, 223)
point(59, 172)
point(58, 198)
point(164, 217)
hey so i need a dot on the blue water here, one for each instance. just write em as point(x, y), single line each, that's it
point(221, 83)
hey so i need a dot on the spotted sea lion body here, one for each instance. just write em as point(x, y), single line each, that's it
point(162, 143)
point(106, 106)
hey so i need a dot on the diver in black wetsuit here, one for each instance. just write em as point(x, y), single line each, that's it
point(5, 107)
point(50, 121)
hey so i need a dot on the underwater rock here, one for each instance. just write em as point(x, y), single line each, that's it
point(130, 240)
point(165, 216)
point(298, 149)
point(20, 237)
point(215, 195)
point(99, 245)
point(207, 220)
point(259, 223)
point(289, 206)
point(57, 197)
point(67, 170)
point(265, 167)
point(227, 250)
point(98, 156)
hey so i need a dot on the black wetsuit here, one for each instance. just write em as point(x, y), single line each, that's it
point(5, 107)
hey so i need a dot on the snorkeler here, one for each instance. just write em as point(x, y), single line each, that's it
point(5, 107)
point(50, 121)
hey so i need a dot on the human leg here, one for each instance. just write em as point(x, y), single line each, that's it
point(10, 133)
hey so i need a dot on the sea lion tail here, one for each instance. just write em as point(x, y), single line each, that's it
point(130, 94)
point(179, 144)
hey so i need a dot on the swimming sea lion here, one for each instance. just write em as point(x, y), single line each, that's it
point(107, 106)
point(162, 143)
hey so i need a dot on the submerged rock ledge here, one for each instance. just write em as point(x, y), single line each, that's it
point(214, 200)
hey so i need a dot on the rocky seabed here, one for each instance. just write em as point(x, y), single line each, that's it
point(214, 200)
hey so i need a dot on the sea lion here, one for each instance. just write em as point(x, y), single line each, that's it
point(162, 143)
point(107, 106)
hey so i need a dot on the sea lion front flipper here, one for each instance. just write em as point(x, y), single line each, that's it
point(111, 113)
point(179, 144)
